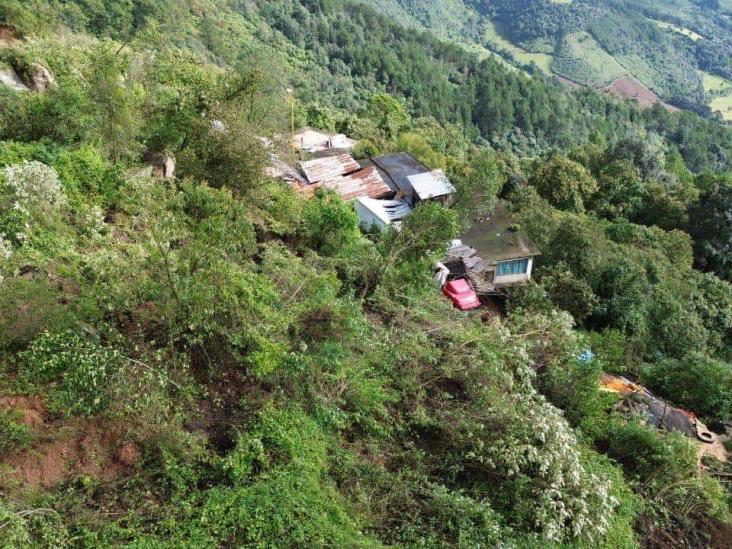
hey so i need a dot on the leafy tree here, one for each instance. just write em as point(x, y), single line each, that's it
point(563, 182)
point(116, 100)
point(568, 292)
point(709, 225)
point(329, 225)
point(696, 382)
point(388, 114)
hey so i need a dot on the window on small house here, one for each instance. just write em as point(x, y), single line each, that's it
point(512, 268)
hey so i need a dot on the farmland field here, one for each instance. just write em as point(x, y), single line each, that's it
point(723, 104)
point(680, 30)
point(720, 90)
point(542, 60)
point(581, 59)
point(714, 83)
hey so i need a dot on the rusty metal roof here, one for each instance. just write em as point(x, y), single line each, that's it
point(363, 183)
point(329, 167)
point(366, 182)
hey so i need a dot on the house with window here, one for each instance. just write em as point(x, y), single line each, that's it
point(493, 254)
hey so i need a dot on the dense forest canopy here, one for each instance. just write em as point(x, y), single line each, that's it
point(213, 360)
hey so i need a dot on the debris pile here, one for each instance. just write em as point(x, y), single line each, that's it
point(638, 401)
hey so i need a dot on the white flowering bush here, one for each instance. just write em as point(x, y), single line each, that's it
point(26, 189)
point(6, 251)
point(34, 183)
point(538, 450)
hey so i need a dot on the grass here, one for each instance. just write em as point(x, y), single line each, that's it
point(723, 104)
point(582, 59)
point(680, 30)
point(714, 83)
point(721, 92)
point(542, 60)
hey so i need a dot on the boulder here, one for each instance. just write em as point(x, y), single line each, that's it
point(8, 77)
point(40, 78)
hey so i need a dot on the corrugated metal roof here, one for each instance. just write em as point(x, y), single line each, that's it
point(431, 184)
point(398, 167)
point(364, 183)
point(330, 167)
point(389, 211)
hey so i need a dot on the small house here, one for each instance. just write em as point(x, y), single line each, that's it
point(432, 185)
point(379, 214)
point(494, 254)
point(402, 171)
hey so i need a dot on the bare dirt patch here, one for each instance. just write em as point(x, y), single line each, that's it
point(30, 410)
point(627, 88)
point(9, 34)
point(65, 449)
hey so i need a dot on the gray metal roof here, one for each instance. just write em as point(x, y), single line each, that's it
point(398, 167)
point(431, 184)
point(389, 211)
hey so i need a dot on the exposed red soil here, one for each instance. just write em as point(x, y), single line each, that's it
point(29, 410)
point(8, 34)
point(65, 449)
point(627, 88)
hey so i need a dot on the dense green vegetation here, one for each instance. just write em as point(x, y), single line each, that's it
point(290, 382)
point(661, 43)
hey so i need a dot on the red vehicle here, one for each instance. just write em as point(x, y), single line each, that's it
point(461, 295)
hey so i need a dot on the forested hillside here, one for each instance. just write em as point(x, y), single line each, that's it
point(680, 49)
point(212, 360)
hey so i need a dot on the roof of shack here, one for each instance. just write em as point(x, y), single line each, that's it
point(431, 184)
point(366, 182)
point(329, 167)
point(388, 211)
point(397, 168)
point(498, 239)
point(312, 140)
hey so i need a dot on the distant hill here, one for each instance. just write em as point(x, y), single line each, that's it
point(680, 50)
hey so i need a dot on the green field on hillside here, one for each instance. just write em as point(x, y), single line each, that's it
point(495, 40)
point(680, 30)
point(581, 59)
point(720, 90)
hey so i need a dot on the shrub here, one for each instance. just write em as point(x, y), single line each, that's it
point(13, 435)
point(329, 225)
point(84, 171)
point(78, 367)
point(29, 307)
point(698, 383)
point(651, 458)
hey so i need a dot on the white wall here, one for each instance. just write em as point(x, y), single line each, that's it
point(515, 279)
point(367, 218)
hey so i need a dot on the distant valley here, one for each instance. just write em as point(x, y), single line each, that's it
point(677, 52)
